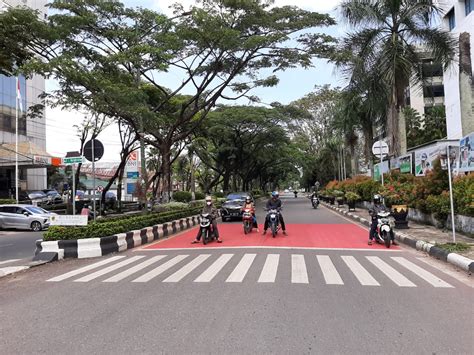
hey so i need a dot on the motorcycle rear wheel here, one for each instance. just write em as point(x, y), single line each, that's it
point(274, 231)
point(386, 239)
point(204, 236)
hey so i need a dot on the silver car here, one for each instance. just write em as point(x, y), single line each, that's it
point(24, 217)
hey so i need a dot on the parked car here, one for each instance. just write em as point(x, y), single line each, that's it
point(35, 197)
point(110, 199)
point(232, 207)
point(80, 195)
point(24, 217)
point(53, 196)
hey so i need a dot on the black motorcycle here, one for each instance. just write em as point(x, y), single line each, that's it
point(206, 230)
point(315, 201)
point(273, 217)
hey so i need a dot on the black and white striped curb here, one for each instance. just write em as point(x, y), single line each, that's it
point(95, 247)
point(458, 260)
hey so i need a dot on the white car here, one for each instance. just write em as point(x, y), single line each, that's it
point(24, 217)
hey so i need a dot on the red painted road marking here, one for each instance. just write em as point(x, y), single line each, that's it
point(299, 235)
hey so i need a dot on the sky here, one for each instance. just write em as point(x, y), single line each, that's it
point(294, 83)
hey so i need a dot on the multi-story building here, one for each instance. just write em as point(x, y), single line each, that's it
point(458, 79)
point(32, 131)
point(424, 95)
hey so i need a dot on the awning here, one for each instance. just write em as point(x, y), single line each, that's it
point(29, 156)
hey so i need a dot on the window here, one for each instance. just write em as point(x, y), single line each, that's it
point(451, 19)
point(433, 91)
point(468, 6)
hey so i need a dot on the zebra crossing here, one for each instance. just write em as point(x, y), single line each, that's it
point(334, 270)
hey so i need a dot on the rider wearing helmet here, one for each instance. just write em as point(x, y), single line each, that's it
point(274, 203)
point(210, 209)
point(377, 207)
point(248, 204)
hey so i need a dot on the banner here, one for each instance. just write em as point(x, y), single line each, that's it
point(424, 159)
point(394, 163)
point(405, 164)
point(453, 158)
point(377, 167)
point(68, 220)
point(466, 156)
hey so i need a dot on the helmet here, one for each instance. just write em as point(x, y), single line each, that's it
point(377, 198)
point(275, 194)
point(247, 199)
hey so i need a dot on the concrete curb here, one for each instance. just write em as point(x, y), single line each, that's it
point(455, 259)
point(96, 247)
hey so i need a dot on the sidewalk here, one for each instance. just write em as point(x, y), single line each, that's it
point(416, 232)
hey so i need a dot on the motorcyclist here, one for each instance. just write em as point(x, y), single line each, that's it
point(209, 209)
point(274, 203)
point(313, 195)
point(248, 204)
point(377, 207)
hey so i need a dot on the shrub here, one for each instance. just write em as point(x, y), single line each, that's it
point(463, 194)
point(439, 205)
point(172, 206)
point(7, 201)
point(182, 196)
point(200, 196)
point(218, 194)
point(352, 196)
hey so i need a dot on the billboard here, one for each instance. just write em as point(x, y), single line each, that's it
point(405, 164)
point(424, 159)
point(466, 153)
point(380, 166)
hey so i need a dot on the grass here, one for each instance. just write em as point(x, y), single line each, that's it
point(454, 247)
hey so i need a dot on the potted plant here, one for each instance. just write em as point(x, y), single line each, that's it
point(331, 197)
point(351, 198)
point(399, 209)
point(339, 195)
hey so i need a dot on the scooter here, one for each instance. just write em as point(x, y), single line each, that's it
point(247, 219)
point(296, 194)
point(206, 229)
point(315, 201)
point(384, 229)
point(273, 216)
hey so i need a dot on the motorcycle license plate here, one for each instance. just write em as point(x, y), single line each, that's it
point(272, 216)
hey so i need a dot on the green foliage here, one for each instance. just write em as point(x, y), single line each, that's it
point(7, 201)
point(439, 205)
point(173, 206)
point(352, 196)
point(200, 195)
point(182, 196)
point(463, 194)
point(218, 194)
point(454, 247)
point(108, 227)
point(430, 127)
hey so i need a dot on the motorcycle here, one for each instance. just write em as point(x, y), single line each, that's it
point(384, 228)
point(206, 229)
point(273, 217)
point(247, 219)
point(315, 202)
point(296, 194)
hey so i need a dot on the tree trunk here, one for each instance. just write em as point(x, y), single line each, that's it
point(113, 178)
point(119, 189)
point(166, 171)
point(466, 84)
point(193, 184)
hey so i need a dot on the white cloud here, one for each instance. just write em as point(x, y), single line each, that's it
point(313, 5)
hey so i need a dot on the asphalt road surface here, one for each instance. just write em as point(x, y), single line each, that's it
point(280, 296)
point(16, 244)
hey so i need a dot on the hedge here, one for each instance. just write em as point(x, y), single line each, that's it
point(182, 196)
point(115, 225)
point(7, 201)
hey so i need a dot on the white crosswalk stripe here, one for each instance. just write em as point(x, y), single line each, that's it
point(390, 272)
point(425, 275)
point(109, 269)
point(299, 274)
point(160, 269)
point(135, 269)
point(212, 270)
point(85, 269)
point(359, 271)
point(186, 269)
point(270, 268)
point(242, 268)
point(331, 276)
point(392, 269)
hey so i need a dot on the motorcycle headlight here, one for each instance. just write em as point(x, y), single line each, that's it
point(385, 220)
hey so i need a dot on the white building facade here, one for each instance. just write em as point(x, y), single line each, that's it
point(32, 131)
point(458, 19)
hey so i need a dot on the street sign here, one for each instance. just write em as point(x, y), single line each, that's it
point(68, 220)
point(132, 174)
point(72, 160)
point(100, 188)
point(380, 148)
point(98, 150)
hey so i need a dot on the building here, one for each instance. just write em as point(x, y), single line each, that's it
point(458, 80)
point(430, 92)
point(32, 131)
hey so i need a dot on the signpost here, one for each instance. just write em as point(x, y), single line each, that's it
point(93, 151)
point(132, 174)
point(73, 158)
point(380, 149)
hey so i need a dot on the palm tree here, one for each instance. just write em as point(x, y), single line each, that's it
point(387, 38)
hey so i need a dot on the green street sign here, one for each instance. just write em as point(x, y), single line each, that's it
point(72, 160)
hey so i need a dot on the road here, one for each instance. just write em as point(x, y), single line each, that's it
point(15, 244)
point(318, 290)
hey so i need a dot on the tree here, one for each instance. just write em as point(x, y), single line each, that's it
point(107, 57)
point(387, 36)
point(427, 128)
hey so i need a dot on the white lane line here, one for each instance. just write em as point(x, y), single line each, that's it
point(160, 269)
point(359, 271)
point(331, 276)
point(270, 268)
point(135, 269)
point(8, 261)
point(215, 267)
point(425, 275)
point(186, 269)
point(221, 247)
point(242, 268)
point(86, 268)
point(390, 272)
point(108, 269)
point(299, 274)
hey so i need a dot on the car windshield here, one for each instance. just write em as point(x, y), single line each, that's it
point(52, 193)
point(235, 197)
point(36, 210)
point(37, 194)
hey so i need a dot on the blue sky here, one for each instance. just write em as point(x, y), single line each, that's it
point(294, 84)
